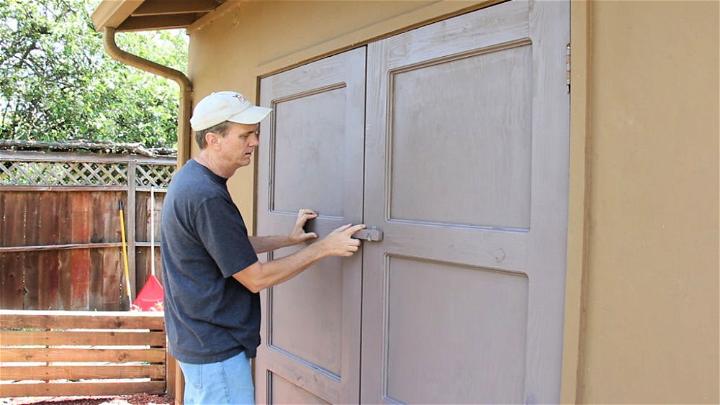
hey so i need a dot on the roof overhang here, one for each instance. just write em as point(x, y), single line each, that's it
point(147, 15)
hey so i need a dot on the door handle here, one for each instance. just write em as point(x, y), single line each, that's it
point(371, 234)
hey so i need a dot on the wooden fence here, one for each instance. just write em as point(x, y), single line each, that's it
point(59, 353)
point(60, 239)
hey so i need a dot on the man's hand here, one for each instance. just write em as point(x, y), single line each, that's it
point(340, 242)
point(298, 234)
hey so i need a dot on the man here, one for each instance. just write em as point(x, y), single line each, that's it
point(210, 268)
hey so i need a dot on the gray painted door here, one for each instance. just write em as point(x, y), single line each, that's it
point(466, 172)
point(311, 156)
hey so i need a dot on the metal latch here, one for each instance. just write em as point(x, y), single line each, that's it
point(371, 234)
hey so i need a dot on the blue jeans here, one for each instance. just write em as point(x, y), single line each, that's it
point(225, 382)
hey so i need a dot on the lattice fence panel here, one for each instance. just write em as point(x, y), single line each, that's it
point(158, 176)
point(21, 173)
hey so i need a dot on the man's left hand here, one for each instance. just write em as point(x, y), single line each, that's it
point(298, 234)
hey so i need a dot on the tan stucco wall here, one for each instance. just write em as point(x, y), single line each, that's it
point(650, 331)
point(642, 311)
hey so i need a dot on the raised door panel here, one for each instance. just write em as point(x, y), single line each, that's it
point(311, 156)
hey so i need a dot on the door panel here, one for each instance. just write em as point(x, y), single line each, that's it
point(285, 392)
point(311, 156)
point(440, 351)
point(298, 144)
point(494, 170)
point(466, 174)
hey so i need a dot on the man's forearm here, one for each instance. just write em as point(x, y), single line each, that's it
point(260, 276)
point(263, 244)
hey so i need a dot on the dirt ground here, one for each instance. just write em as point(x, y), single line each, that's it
point(136, 399)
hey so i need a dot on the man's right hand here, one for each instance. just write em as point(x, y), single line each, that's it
point(340, 242)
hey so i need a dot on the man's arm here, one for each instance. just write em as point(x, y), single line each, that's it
point(263, 244)
point(259, 276)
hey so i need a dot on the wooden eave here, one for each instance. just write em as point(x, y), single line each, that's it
point(148, 15)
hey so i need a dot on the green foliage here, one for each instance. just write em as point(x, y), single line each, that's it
point(56, 82)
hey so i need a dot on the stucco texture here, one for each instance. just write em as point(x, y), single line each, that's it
point(651, 298)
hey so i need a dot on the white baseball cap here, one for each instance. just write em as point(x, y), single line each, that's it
point(226, 106)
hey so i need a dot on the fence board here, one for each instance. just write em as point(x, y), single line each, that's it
point(49, 280)
point(83, 355)
point(86, 338)
point(86, 319)
point(111, 275)
point(80, 259)
point(47, 263)
point(31, 278)
point(95, 293)
point(73, 389)
point(64, 220)
point(64, 264)
point(156, 372)
point(11, 279)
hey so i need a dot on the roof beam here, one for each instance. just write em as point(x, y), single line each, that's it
point(157, 22)
point(165, 7)
point(113, 13)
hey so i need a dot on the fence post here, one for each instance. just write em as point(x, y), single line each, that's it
point(131, 231)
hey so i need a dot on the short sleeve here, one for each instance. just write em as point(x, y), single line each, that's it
point(222, 231)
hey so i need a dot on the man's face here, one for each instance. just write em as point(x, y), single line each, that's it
point(238, 144)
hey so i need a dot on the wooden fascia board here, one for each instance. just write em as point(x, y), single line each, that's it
point(164, 7)
point(112, 13)
point(157, 22)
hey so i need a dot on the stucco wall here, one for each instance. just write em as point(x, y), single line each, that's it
point(643, 260)
point(651, 299)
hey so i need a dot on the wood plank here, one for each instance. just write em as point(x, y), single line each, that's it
point(74, 389)
point(57, 189)
point(156, 372)
point(31, 278)
point(2, 217)
point(84, 338)
point(162, 7)
point(80, 259)
point(157, 22)
point(49, 280)
point(64, 267)
point(31, 281)
point(111, 275)
point(70, 246)
point(47, 264)
point(170, 370)
point(11, 278)
point(82, 355)
point(65, 237)
point(12, 281)
point(112, 258)
point(82, 319)
point(95, 292)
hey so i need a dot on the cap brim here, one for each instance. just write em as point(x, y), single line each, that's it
point(252, 115)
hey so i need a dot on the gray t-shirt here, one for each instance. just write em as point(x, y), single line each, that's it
point(209, 315)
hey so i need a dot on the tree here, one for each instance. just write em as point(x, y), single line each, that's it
point(56, 82)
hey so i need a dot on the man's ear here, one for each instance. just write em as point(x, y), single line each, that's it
point(211, 138)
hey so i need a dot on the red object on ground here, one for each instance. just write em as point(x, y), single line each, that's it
point(150, 297)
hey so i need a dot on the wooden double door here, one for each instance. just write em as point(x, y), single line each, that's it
point(452, 141)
